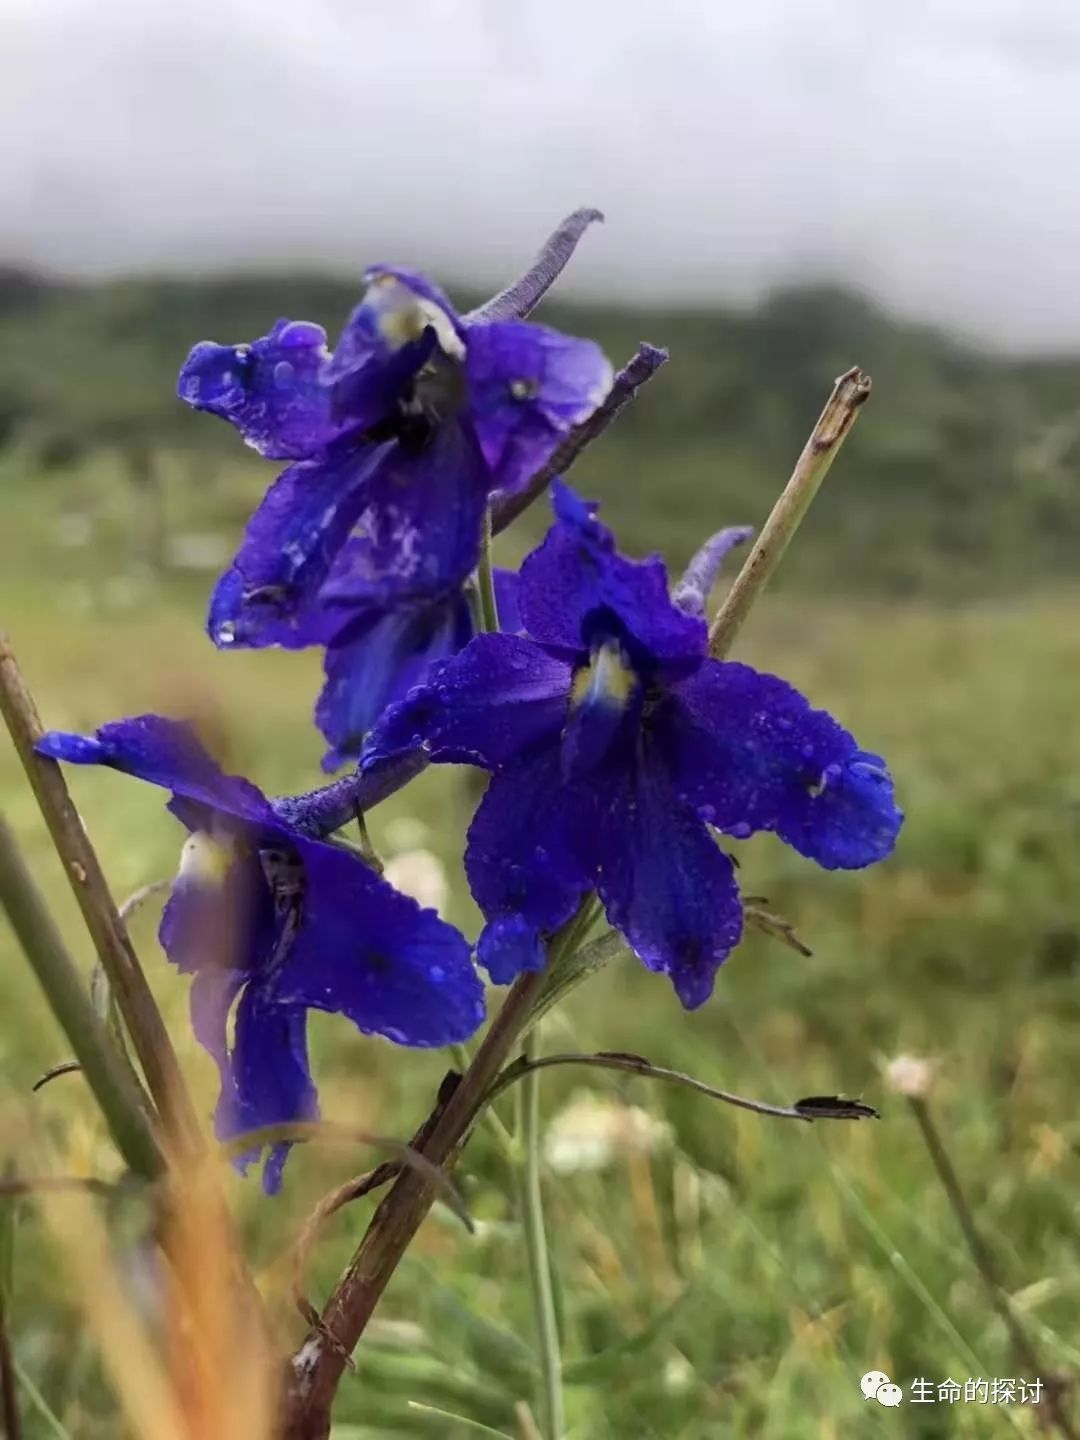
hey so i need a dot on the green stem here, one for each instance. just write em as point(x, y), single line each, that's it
point(368, 852)
point(503, 1138)
point(317, 1367)
point(485, 582)
point(147, 1029)
point(9, 1399)
point(849, 393)
point(64, 989)
point(985, 1263)
point(536, 1246)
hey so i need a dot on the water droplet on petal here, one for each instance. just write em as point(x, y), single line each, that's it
point(741, 831)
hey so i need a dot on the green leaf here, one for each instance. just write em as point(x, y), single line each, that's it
point(567, 972)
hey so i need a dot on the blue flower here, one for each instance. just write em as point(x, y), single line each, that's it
point(375, 654)
point(396, 439)
point(280, 923)
point(614, 743)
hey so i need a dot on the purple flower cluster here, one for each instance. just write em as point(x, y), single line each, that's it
point(614, 744)
point(278, 923)
point(398, 439)
point(620, 753)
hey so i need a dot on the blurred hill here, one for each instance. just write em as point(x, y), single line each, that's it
point(960, 479)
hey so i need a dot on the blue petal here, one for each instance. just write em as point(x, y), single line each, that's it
point(529, 858)
point(507, 584)
point(528, 387)
point(605, 710)
point(379, 277)
point(390, 335)
point(366, 396)
point(501, 695)
point(368, 378)
point(751, 754)
point(576, 589)
point(418, 523)
point(666, 884)
point(218, 921)
point(290, 543)
point(272, 390)
point(271, 1077)
point(375, 660)
point(509, 945)
point(167, 753)
point(371, 953)
point(211, 999)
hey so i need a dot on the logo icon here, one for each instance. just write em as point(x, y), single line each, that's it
point(876, 1385)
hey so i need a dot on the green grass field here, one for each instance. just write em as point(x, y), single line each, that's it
point(740, 1278)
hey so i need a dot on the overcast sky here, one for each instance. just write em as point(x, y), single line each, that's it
point(925, 149)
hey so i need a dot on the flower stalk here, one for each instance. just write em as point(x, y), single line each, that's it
point(148, 1034)
point(116, 1096)
point(536, 1244)
point(984, 1260)
point(317, 1366)
point(322, 811)
point(850, 392)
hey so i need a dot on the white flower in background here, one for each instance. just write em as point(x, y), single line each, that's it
point(593, 1131)
point(420, 874)
point(678, 1374)
point(910, 1075)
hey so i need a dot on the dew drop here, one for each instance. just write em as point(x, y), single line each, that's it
point(741, 831)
